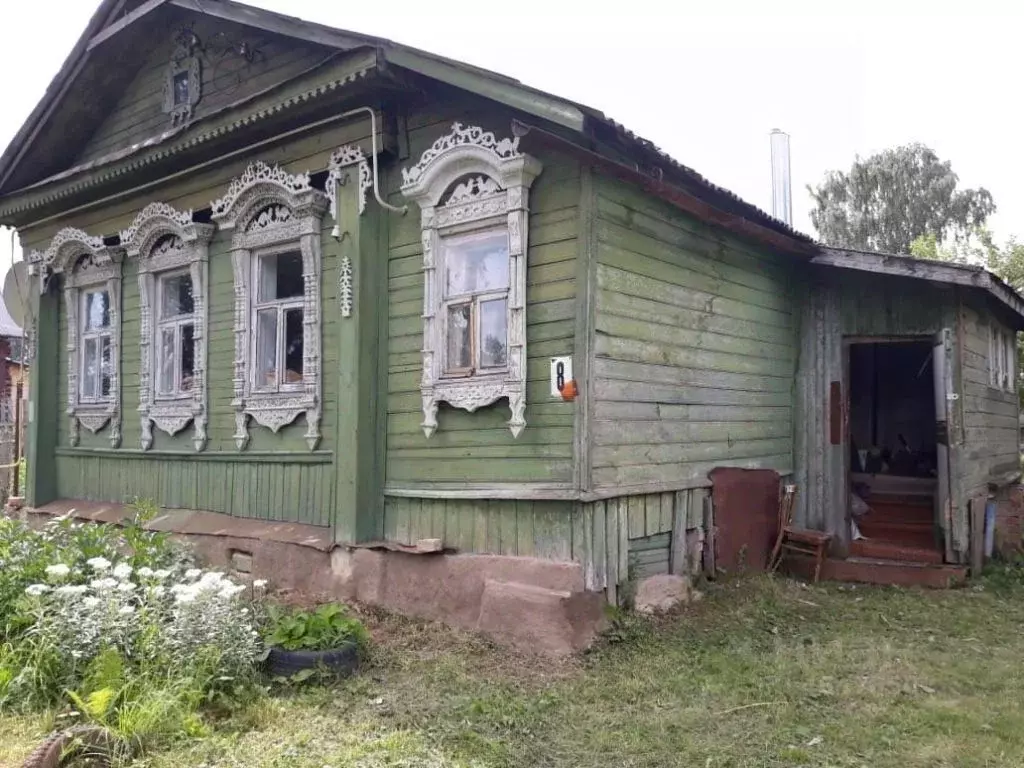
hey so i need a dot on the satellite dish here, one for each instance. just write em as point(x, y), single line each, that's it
point(16, 291)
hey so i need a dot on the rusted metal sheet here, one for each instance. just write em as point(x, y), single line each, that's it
point(746, 505)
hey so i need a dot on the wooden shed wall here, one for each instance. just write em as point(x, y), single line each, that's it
point(277, 477)
point(694, 349)
point(478, 448)
point(991, 451)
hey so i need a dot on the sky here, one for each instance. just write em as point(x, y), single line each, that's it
point(844, 79)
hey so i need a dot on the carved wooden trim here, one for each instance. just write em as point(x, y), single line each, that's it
point(85, 263)
point(345, 286)
point(165, 239)
point(267, 208)
point(183, 61)
point(468, 179)
point(342, 158)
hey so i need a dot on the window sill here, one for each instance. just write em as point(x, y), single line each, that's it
point(289, 457)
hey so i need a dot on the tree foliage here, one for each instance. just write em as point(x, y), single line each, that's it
point(887, 201)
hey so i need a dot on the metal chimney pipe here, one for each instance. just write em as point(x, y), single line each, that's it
point(782, 191)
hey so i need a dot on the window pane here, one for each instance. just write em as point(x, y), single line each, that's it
point(181, 82)
point(459, 329)
point(493, 334)
point(166, 362)
point(106, 366)
point(97, 310)
point(266, 348)
point(477, 262)
point(188, 357)
point(293, 346)
point(90, 366)
point(281, 276)
point(176, 296)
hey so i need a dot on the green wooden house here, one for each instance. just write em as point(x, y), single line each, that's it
point(290, 274)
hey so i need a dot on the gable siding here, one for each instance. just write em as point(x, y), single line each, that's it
point(276, 477)
point(694, 349)
point(139, 114)
point(478, 447)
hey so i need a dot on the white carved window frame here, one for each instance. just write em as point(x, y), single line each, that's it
point(494, 192)
point(154, 223)
point(183, 63)
point(87, 263)
point(258, 190)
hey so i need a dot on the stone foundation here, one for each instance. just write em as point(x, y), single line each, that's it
point(530, 603)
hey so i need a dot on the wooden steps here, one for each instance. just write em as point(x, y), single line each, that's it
point(877, 549)
point(864, 570)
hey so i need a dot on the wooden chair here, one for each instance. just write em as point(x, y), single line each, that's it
point(801, 540)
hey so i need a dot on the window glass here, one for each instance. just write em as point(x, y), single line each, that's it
point(460, 327)
point(90, 367)
point(281, 276)
point(165, 377)
point(97, 310)
point(493, 334)
point(176, 296)
point(266, 348)
point(477, 262)
point(106, 366)
point(293, 345)
point(181, 83)
point(188, 356)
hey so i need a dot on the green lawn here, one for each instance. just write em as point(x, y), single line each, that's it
point(763, 672)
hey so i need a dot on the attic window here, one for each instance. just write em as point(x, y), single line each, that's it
point(183, 83)
point(180, 88)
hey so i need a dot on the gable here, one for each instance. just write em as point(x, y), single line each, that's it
point(226, 77)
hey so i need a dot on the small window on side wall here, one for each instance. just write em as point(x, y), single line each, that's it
point(473, 191)
point(1002, 358)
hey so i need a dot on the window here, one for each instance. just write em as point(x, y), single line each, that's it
point(96, 374)
point(472, 190)
point(1002, 358)
point(476, 302)
point(173, 255)
point(91, 273)
point(277, 313)
point(275, 218)
point(180, 87)
point(176, 335)
point(183, 83)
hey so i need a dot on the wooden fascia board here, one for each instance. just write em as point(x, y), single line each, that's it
point(490, 87)
point(109, 31)
point(68, 73)
point(677, 197)
point(921, 269)
point(276, 23)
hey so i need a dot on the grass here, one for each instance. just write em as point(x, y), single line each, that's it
point(763, 672)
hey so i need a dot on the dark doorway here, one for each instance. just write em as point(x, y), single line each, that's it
point(893, 451)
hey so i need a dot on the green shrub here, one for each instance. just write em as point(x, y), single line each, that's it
point(329, 626)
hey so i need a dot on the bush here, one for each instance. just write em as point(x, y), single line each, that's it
point(328, 627)
point(117, 624)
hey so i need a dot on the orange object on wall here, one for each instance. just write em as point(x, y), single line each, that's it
point(569, 390)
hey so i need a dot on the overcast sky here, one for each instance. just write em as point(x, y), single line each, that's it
point(707, 88)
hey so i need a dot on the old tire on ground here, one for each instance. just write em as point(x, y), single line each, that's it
point(82, 743)
point(338, 661)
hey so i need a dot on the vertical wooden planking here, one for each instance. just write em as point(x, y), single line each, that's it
point(578, 543)
point(622, 513)
point(667, 500)
point(482, 510)
point(562, 533)
point(652, 515)
point(680, 522)
point(611, 520)
point(509, 531)
point(494, 523)
point(637, 520)
point(599, 533)
point(525, 526)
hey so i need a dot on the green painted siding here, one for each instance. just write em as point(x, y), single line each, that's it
point(478, 447)
point(872, 305)
point(139, 114)
point(694, 350)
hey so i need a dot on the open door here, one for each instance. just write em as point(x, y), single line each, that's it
point(942, 373)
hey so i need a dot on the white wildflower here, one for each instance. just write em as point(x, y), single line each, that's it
point(122, 571)
point(161, 574)
point(90, 602)
point(125, 586)
point(35, 590)
point(98, 563)
point(185, 597)
point(126, 610)
point(211, 578)
point(58, 571)
point(229, 590)
point(192, 573)
point(158, 591)
point(145, 572)
point(259, 583)
point(101, 585)
point(71, 590)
